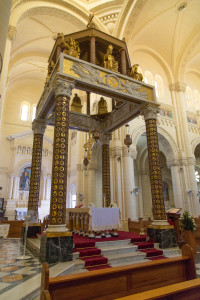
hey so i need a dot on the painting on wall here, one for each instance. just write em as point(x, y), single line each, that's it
point(24, 184)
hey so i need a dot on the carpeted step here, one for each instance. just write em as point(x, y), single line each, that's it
point(86, 244)
point(145, 245)
point(138, 239)
point(95, 261)
point(89, 252)
point(152, 252)
point(93, 268)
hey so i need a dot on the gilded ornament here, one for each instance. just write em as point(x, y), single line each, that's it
point(59, 220)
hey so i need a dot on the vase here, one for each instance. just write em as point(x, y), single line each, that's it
point(189, 238)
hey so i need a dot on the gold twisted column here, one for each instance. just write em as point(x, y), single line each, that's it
point(63, 91)
point(38, 130)
point(106, 169)
point(150, 115)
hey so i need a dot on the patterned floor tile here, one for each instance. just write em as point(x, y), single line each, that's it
point(24, 271)
point(4, 285)
point(11, 278)
point(7, 269)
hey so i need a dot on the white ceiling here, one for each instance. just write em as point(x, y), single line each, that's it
point(158, 27)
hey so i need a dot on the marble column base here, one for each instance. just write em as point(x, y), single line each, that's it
point(166, 237)
point(56, 247)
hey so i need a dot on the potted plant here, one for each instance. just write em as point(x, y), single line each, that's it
point(189, 227)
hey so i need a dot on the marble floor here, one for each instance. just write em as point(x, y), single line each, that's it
point(20, 279)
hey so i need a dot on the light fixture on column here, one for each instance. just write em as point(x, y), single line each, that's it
point(96, 134)
point(86, 160)
point(128, 139)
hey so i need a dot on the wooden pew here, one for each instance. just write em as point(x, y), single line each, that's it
point(119, 281)
point(189, 290)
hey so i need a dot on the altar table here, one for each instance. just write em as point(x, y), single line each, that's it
point(4, 229)
point(93, 219)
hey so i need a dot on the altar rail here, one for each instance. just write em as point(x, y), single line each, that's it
point(121, 281)
point(78, 219)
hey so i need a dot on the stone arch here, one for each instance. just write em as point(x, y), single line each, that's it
point(168, 145)
point(76, 15)
point(195, 143)
point(25, 163)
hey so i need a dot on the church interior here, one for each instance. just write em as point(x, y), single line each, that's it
point(99, 117)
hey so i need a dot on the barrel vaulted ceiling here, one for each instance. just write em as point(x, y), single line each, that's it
point(168, 30)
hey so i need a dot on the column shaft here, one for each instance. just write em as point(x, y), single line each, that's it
point(123, 62)
point(155, 171)
point(106, 174)
point(60, 158)
point(92, 50)
point(35, 173)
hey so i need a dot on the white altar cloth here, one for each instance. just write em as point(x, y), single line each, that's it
point(104, 218)
point(4, 229)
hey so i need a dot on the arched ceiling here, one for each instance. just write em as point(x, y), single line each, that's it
point(170, 28)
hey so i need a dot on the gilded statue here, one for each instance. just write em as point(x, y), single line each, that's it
point(109, 62)
point(135, 74)
point(50, 69)
point(71, 47)
point(102, 106)
point(76, 104)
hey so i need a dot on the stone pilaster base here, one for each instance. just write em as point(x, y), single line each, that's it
point(56, 247)
point(164, 235)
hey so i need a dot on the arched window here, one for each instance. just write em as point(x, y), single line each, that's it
point(33, 112)
point(148, 78)
point(189, 97)
point(158, 86)
point(196, 99)
point(24, 112)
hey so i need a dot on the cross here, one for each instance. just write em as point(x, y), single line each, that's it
point(88, 145)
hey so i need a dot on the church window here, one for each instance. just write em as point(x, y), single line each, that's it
point(158, 86)
point(148, 77)
point(33, 112)
point(196, 99)
point(24, 112)
point(189, 97)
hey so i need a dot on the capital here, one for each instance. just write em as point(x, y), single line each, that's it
point(178, 87)
point(38, 126)
point(132, 153)
point(11, 32)
point(149, 111)
point(106, 138)
point(63, 87)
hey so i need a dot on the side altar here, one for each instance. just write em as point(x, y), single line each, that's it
point(93, 221)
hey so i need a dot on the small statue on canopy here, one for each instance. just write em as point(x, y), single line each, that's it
point(76, 104)
point(109, 61)
point(135, 74)
point(102, 106)
point(71, 47)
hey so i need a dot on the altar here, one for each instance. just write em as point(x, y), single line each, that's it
point(87, 220)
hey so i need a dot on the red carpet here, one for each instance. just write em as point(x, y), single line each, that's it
point(152, 252)
point(95, 261)
point(144, 245)
point(89, 252)
point(122, 235)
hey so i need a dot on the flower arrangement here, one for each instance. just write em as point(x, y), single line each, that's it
point(187, 223)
